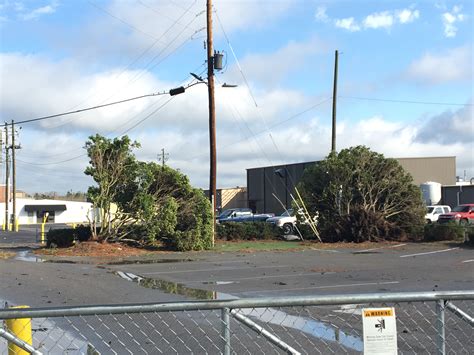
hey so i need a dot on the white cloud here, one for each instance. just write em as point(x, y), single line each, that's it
point(120, 28)
point(452, 65)
point(407, 15)
point(455, 127)
point(347, 24)
point(295, 141)
point(35, 13)
point(269, 69)
point(379, 20)
point(450, 20)
point(321, 15)
point(181, 128)
point(385, 19)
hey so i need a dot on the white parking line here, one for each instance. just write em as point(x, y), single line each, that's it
point(429, 252)
point(270, 276)
point(468, 261)
point(215, 269)
point(328, 286)
point(393, 246)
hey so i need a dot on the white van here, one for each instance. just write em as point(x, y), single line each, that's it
point(433, 212)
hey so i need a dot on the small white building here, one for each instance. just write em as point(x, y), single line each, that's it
point(30, 211)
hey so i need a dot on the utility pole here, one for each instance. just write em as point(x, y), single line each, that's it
point(164, 157)
point(14, 177)
point(334, 101)
point(7, 175)
point(212, 116)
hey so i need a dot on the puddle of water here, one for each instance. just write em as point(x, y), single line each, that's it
point(150, 261)
point(25, 255)
point(312, 327)
point(173, 287)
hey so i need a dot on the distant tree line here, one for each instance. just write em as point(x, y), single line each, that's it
point(53, 195)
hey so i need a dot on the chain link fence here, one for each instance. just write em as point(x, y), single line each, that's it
point(427, 323)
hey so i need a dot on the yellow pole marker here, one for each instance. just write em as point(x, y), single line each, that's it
point(21, 328)
point(3, 226)
point(17, 225)
point(42, 233)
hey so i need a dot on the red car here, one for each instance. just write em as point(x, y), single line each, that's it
point(462, 214)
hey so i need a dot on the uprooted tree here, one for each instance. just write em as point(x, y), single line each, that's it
point(152, 202)
point(361, 195)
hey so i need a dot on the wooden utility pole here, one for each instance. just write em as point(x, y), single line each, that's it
point(334, 101)
point(212, 115)
point(7, 175)
point(163, 158)
point(13, 177)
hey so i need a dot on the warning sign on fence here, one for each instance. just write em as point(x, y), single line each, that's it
point(380, 331)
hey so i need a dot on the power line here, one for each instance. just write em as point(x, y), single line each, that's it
point(91, 108)
point(254, 134)
point(121, 20)
point(126, 131)
point(142, 54)
point(53, 163)
point(104, 105)
point(405, 101)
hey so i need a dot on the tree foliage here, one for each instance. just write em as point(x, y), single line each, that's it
point(154, 203)
point(111, 162)
point(361, 195)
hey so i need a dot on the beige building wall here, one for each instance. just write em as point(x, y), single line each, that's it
point(438, 169)
point(233, 197)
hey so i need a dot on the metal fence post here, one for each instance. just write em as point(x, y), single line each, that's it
point(441, 339)
point(226, 330)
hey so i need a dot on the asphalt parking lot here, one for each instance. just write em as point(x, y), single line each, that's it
point(165, 277)
point(395, 267)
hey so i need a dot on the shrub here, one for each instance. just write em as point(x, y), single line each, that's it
point(247, 231)
point(470, 235)
point(360, 195)
point(437, 232)
point(65, 237)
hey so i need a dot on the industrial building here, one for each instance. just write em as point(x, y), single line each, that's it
point(29, 211)
point(269, 189)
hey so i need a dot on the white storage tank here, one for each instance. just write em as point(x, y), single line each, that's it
point(431, 192)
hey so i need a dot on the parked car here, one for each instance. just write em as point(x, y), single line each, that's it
point(242, 215)
point(233, 213)
point(462, 214)
point(433, 212)
point(286, 221)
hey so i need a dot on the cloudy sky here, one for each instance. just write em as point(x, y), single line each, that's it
point(405, 82)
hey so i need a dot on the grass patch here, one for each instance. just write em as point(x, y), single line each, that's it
point(260, 245)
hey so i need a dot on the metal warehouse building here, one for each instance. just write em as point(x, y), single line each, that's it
point(266, 186)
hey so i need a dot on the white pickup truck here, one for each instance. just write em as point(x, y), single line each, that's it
point(285, 221)
point(433, 212)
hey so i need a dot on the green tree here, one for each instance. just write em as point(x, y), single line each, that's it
point(165, 207)
point(153, 202)
point(111, 162)
point(361, 195)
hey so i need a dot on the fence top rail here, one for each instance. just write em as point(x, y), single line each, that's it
point(327, 300)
